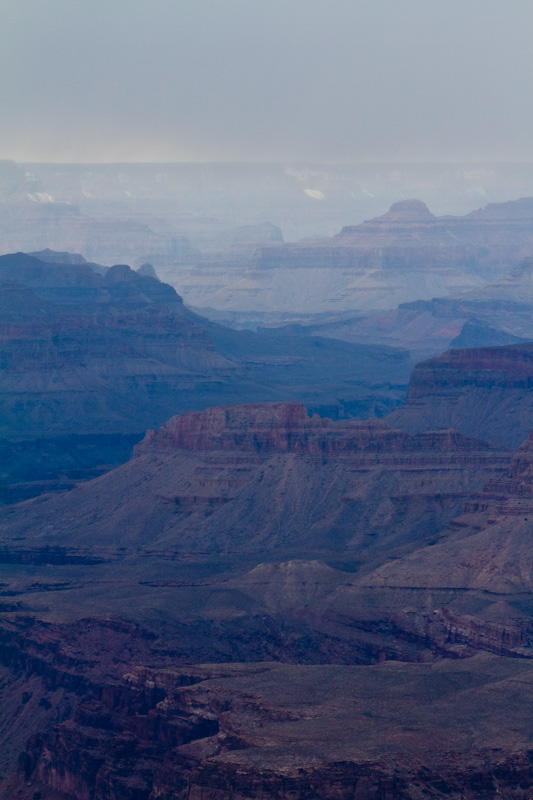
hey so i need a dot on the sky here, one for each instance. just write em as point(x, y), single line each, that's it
point(266, 80)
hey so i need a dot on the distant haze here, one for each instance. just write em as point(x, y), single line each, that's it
point(249, 80)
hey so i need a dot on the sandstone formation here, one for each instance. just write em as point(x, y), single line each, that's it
point(489, 545)
point(263, 602)
point(252, 479)
point(239, 732)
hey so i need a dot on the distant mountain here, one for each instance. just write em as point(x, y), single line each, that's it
point(404, 255)
point(500, 313)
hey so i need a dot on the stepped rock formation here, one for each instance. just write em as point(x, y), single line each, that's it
point(252, 534)
point(484, 392)
point(488, 547)
point(409, 237)
point(406, 254)
point(266, 478)
point(239, 732)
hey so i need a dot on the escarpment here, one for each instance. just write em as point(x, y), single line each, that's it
point(267, 477)
point(484, 392)
point(263, 603)
point(406, 254)
point(256, 731)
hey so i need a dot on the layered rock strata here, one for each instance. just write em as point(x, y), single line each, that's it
point(264, 731)
point(267, 477)
point(404, 255)
point(484, 392)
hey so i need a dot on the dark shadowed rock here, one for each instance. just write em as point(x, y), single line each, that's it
point(85, 354)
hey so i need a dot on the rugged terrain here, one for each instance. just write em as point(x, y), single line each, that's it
point(404, 255)
point(483, 392)
point(262, 602)
point(260, 534)
point(499, 313)
point(90, 361)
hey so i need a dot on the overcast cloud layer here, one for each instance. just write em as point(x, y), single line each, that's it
point(250, 80)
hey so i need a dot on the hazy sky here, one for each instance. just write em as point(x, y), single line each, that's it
point(277, 80)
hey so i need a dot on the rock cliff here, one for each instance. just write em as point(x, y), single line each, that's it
point(264, 478)
point(243, 535)
point(264, 731)
point(484, 392)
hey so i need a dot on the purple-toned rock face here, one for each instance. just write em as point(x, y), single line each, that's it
point(483, 392)
point(287, 428)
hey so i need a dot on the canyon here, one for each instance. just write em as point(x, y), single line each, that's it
point(90, 360)
point(289, 563)
point(263, 603)
point(404, 255)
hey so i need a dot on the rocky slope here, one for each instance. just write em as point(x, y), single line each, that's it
point(267, 478)
point(247, 535)
point(500, 313)
point(489, 545)
point(483, 392)
point(262, 731)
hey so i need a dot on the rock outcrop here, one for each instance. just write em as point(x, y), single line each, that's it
point(483, 392)
point(259, 534)
point(264, 478)
point(264, 731)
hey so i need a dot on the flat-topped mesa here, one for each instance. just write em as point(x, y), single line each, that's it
point(409, 237)
point(286, 428)
point(507, 366)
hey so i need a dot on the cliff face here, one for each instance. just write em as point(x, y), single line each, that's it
point(410, 237)
point(75, 344)
point(393, 547)
point(287, 428)
point(263, 477)
point(488, 546)
point(483, 392)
